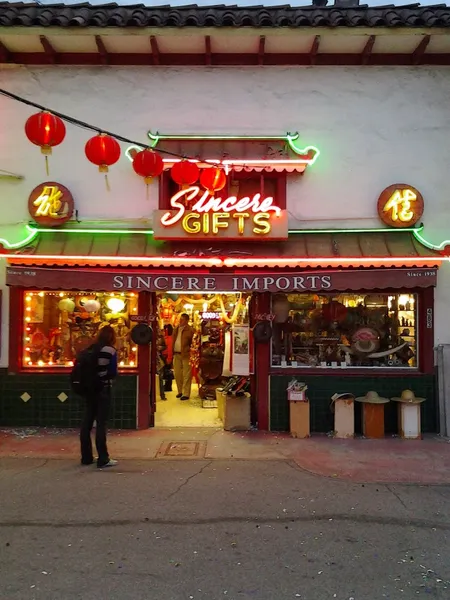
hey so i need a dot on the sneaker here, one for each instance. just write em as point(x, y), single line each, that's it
point(184, 398)
point(110, 463)
point(179, 395)
point(86, 463)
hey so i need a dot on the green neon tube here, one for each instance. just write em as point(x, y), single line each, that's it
point(291, 231)
point(32, 233)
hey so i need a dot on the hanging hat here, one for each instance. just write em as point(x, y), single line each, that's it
point(409, 397)
point(142, 334)
point(372, 398)
point(262, 331)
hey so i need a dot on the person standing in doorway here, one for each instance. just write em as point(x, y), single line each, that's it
point(182, 340)
point(104, 358)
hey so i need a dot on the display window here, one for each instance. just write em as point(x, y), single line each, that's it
point(345, 330)
point(58, 325)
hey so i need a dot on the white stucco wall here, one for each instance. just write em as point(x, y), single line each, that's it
point(374, 127)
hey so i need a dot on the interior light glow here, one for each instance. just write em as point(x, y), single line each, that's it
point(115, 304)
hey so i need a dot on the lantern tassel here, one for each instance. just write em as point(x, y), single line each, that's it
point(47, 168)
point(108, 189)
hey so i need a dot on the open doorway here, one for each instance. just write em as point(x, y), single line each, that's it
point(195, 356)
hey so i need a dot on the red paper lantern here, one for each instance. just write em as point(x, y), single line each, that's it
point(334, 312)
point(102, 150)
point(185, 172)
point(213, 179)
point(45, 130)
point(148, 164)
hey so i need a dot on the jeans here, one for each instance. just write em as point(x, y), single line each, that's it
point(161, 384)
point(97, 409)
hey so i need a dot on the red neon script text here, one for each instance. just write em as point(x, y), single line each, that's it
point(207, 203)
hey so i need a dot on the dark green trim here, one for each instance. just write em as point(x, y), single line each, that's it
point(321, 388)
point(44, 409)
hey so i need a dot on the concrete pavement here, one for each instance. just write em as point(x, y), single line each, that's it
point(209, 529)
point(424, 461)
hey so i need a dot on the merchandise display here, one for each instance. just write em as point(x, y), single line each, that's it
point(345, 330)
point(59, 325)
point(212, 317)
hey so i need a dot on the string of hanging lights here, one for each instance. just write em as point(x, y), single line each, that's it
point(47, 129)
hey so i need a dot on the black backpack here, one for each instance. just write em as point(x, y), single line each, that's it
point(84, 378)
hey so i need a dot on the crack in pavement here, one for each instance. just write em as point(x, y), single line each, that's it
point(397, 496)
point(316, 518)
point(188, 479)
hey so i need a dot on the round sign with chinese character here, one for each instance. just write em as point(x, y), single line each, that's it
point(400, 205)
point(50, 204)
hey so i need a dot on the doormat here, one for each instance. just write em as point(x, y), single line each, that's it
point(182, 450)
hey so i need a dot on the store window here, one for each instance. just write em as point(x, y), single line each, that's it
point(58, 325)
point(345, 330)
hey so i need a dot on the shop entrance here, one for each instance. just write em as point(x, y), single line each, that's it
point(194, 356)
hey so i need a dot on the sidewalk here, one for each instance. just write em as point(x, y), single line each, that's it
point(360, 460)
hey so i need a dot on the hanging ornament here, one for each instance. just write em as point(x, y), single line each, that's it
point(185, 173)
point(102, 150)
point(67, 305)
point(213, 179)
point(148, 164)
point(45, 130)
point(91, 306)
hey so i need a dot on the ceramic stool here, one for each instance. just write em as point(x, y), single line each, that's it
point(344, 415)
point(373, 415)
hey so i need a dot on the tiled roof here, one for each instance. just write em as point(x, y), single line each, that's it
point(138, 250)
point(113, 15)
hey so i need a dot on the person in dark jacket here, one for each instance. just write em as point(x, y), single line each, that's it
point(98, 404)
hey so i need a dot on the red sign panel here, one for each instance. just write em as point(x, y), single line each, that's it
point(400, 205)
point(312, 281)
point(50, 204)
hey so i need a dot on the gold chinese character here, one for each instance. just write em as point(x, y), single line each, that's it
point(400, 205)
point(49, 202)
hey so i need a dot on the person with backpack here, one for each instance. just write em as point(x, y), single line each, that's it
point(92, 376)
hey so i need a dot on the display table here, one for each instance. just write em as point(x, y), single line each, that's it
point(373, 415)
point(344, 415)
point(409, 424)
point(299, 418)
point(234, 411)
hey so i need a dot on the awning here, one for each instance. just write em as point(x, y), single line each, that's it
point(239, 153)
point(390, 248)
point(171, 280)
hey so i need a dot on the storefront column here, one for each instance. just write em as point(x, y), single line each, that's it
point(426, 330)
point(144, 415)
point(262, 366)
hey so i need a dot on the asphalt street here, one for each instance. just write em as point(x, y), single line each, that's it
point(191, 529)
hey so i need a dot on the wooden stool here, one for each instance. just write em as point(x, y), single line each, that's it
point(409, 415)
point(373, 415)
point(409, 421)
point(344, 416)
point(299, 419)
point(373, 420)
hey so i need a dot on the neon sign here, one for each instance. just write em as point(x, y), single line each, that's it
point(196, 213)
point(400, 205)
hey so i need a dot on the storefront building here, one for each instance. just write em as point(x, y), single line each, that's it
point(319, 255)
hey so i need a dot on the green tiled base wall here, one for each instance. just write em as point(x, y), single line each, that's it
point(44, 409)
point(321, 388)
